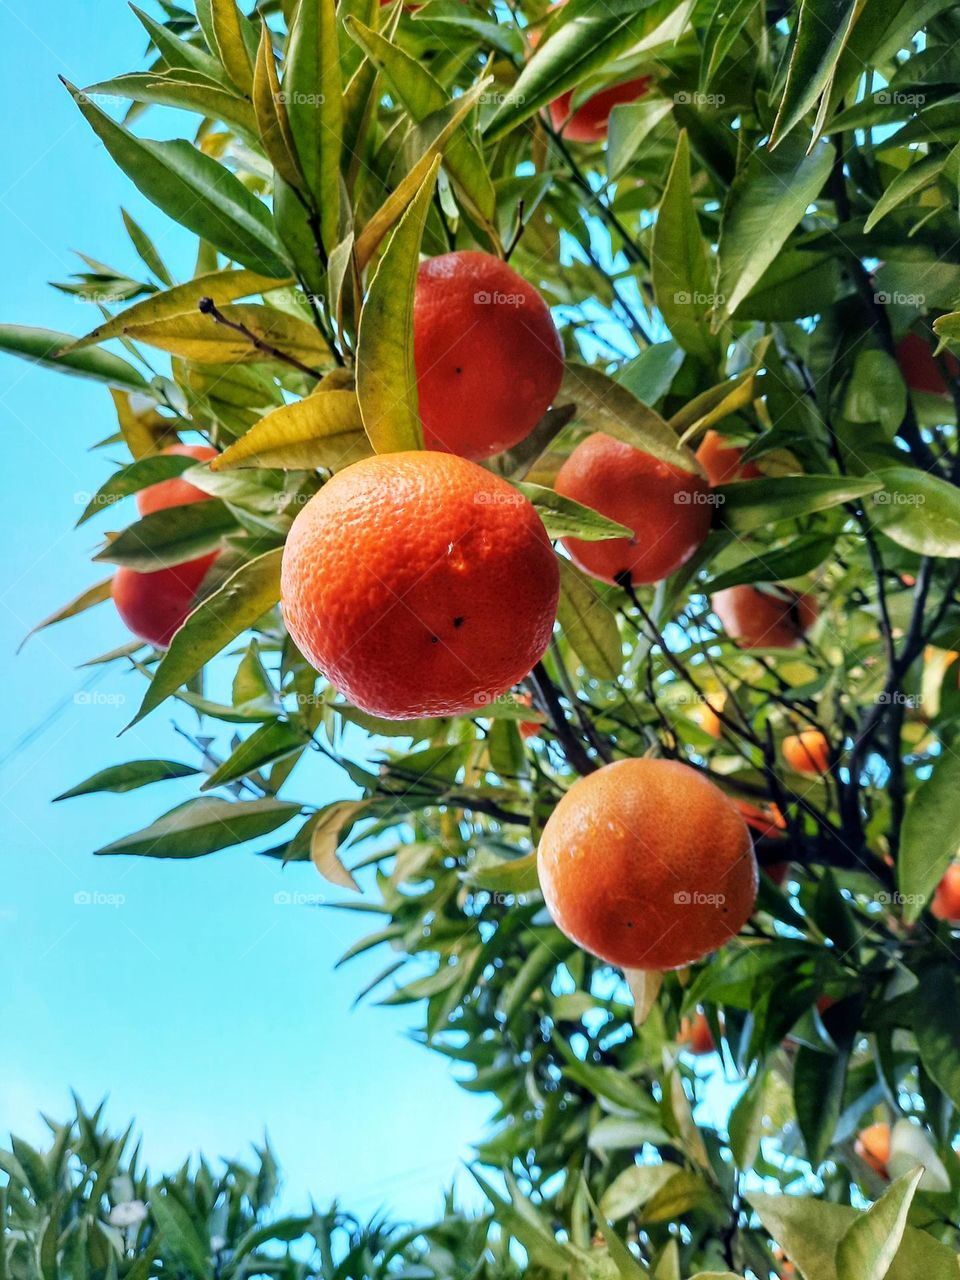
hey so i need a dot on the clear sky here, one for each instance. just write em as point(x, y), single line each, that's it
point(204, 1008)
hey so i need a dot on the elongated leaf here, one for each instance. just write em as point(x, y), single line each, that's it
point(726, 23)
point(46, 347)
point(313, 98)
point(822, 29)
point(323, 430)
point(138, 475)
point(271, 114)
point(243, 598)
point(588, 623)
point(682, 282)
point(766, 202)
point(96, 594)
point(206, 340)
point(563, 517)
point(802, 556)
point(203, 826)
point(128, 777)
point(936, 1008)
point(628, 1268)
point(754, 504)
point(906, 184)
point(219, 286)
point(929, 841)
point(870, 1244)
point(179, 53)
point(170, 536)
point(605, 405)
point(180, 1235)
point(186, 90)
point(386, 373)
point(818, 1082)
point(229, 43)
point(194, 190)
point(918, 511)
point(326, 831)
point(268, 743)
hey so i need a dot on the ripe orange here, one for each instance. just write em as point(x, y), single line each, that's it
point(488, 356)
point(528, 728)
point(420, 584)
point(721, 461)
point(176, 492)
point(920, 370)
point(154, 605)
point(697, 1035)
point(647, 864)
point(755, 619)
point(807, 752)
point(705, 714)
point(873, 1147)
point(946, 900)
point(766, 822)
point(665, 507)
point(590, 121)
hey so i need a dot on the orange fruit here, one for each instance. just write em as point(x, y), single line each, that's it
point(528, 728)
point(697, 1034)
point(590, 121)
point(920, 370)
point(155, 605)
point(647, 864)
point(176, 492)
point(419, 584)
point(488, 356)
point(873, 1147)
point(756, 619)
point(946, 900)
point(807, 752)
point(705, 714)
point(664, 506)
point(721, 461)
point(766, 822)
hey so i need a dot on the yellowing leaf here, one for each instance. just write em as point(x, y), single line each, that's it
point(323, 430)
point(96, 594)
point(195, 336)
point(230, 46)
point(271, 114)
point(327, 827)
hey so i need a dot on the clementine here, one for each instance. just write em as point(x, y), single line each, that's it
point(920, 370)
point(807, 752)
point(155, 605)
point(528, 728)
point(591, 120)
point(488, 356)
point(177, 492)
point(756, 619)
point(664, 506)
point(946, 900)
point(419, 584)
point(697, 1034)
point(873, 1147)
point(647, 864)
point(721, 461)
point(705, 714)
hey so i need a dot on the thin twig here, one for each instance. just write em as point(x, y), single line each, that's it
point(207, 307)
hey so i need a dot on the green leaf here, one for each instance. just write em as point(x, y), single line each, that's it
point(127, 777)
point(917, 511)
point(186, 90)
point(929, 837)
point(633, 1187)
point(605, 405)
point(206, 339)
point(96, 594)
point(180, 1235)
point(273, 123)
point(146, 249)
point(503, 875)
point(220, 618)
point(131, 479)
point(46, 347)
point(230, 46)
point(270, 742)
point(630, 126)
point(323, 430)
point(628, 1268)
point(810, 1230)
point(818, 1082)
point(313, 97)
point(822, 29)
point(936, 1009)
point(170, 536)
point(203, 826)
point(876, 391)
point(588, 623)
point(768, 198)
point(802, 556)
point(746, 1122)
point(176, 52)
point(562, 517)
point(908, 183)
point(581, 46)
point(726, 22)
point(386, 373)
point(682, 282)
point(194, 190)
point(870, 1244)
point(755, 504)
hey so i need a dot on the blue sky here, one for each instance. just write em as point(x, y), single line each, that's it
point(202, 1006)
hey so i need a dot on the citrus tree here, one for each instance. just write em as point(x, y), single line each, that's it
point(668, 286)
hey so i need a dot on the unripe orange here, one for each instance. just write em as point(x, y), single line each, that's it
point(647, 864)
point(873, 1147)
point(946, 900)
point(420, 584)
point(155, 605)
point(721, 461)
point(664, 506)
point(807, 752)
point(756, 619)
point(488, 356)
point(176, 492)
